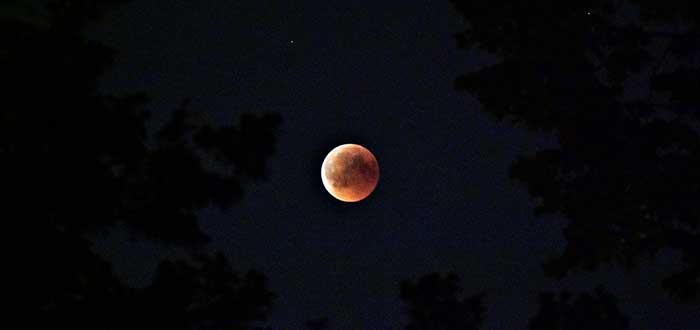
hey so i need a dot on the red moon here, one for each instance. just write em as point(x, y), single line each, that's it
point(350, 172)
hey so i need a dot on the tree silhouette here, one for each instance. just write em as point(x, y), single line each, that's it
point(434, 302)
point(76, 161)
point(206, 295)
point(617, 82)
point(317, 324)
point(586, 311)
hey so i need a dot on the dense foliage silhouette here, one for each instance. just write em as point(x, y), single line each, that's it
point(435, 302)
point(617, 83)
point(318, 324)
point(77, 161)
point(584, 312)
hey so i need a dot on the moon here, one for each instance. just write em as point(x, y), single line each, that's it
point(350, 172)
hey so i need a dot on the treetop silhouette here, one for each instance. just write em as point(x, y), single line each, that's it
point(76, 161)
point(617, 82)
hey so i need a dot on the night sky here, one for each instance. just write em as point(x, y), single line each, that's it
point(380, 74)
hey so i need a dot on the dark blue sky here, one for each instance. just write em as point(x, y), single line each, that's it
point(377, 73)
